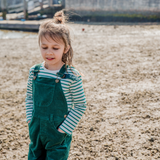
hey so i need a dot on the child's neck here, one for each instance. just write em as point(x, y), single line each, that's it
point(53, 68)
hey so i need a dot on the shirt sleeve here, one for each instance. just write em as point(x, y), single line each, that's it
point(29, 99)
point(79, 101)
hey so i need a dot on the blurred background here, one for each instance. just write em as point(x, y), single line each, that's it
point(29, 9)
point(116, 46)
point(80, 10)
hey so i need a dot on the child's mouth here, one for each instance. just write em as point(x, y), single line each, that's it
point(49, 59)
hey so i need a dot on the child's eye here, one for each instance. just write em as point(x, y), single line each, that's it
point(44, 47)
point(55, 48)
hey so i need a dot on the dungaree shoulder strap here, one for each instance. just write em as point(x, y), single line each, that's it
point(36, 70)
point(69, 76)
point(37, 67)
point(61, 72)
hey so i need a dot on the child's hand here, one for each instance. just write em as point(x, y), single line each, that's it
point(60, 130)
point(28, 121)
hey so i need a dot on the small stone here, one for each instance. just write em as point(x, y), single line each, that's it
point(151, 139)
point(14, 156)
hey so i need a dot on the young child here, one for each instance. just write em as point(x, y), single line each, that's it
point(55, 100)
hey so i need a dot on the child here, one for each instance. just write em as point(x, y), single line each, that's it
point(55, 99)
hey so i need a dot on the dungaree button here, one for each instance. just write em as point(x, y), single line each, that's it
point(65, 116)
point(57, 80)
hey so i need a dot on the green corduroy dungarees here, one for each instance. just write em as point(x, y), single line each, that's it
point(49, 111)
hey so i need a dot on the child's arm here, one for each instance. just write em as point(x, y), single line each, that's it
point(29, 100)
point(79, 101)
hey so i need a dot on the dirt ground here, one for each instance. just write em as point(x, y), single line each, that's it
point(121, 67)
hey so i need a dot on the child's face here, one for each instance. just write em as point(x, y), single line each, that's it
point(52, 52)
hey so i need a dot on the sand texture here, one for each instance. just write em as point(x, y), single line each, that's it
point(121, 65)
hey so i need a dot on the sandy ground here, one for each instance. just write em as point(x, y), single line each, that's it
point(121, 65)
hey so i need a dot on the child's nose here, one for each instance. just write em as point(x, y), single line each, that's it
point(49, 52)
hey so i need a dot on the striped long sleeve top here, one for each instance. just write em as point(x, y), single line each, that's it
point(74, 94)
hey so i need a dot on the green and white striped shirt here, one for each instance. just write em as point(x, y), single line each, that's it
point(73, 92)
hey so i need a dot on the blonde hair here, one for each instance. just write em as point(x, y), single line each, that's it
point(57, 30)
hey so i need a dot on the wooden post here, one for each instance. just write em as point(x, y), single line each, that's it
point(25, 3)
point(4, 8)
point(63, 3)
point(41, 4)
point(50, 2)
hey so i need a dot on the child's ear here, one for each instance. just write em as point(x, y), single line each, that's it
point(67, 49)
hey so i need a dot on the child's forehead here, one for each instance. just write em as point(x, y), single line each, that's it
point(46, 39)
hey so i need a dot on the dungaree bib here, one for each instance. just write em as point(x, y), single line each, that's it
point(49, 112)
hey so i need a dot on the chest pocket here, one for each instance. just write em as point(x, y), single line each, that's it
point(43, 94)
